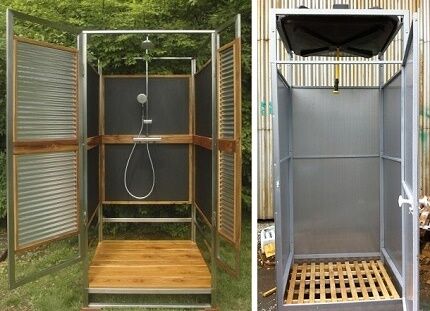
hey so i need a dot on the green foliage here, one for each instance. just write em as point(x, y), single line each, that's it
point(2, 185)
point(111, 50)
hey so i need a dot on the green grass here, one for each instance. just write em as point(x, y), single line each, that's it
point(63, 290)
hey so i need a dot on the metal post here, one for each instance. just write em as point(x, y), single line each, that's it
point(9, 148)
point(214, 47)
point(193, 70)
point(381, 154)
point(82, 166)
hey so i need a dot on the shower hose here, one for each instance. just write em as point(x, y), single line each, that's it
point(150, 160)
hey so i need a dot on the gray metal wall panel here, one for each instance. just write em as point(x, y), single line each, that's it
point(93, 180)
point(392, 212)
point(336, 205)
point(284, 100)
point(284, 118)
point(168, 105)
point(46, 196)
point(203, 181)
point(203, 101)
point(392, 118)
point(171, 164)
point(343, 124)
point(408, 118)
point(93, 85)
point(46, 93)
point(284, 214)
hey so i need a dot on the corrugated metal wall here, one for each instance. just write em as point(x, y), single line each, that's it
point(322, 75)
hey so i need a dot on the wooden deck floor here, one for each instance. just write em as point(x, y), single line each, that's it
point(148, 265)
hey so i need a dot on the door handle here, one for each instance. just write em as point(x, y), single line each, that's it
point(401, 201)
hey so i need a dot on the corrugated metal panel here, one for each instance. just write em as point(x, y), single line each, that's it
point(46, 196)
point(226, 216)
point(323, 75)
point(227, 222)
point(226, 93)
point(46, 93)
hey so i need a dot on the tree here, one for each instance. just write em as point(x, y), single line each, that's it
point(123, 14)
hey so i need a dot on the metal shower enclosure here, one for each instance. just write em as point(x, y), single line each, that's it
point(346, 180)
point(65, 136)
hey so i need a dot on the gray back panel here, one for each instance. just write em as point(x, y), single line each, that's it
point(392, 212)
point(336, 206)
point(168, 105)
point(203, 101)
point(343, 124)
point(392, 114)
point(93, 85)
point(203, 181)
point(93, 179)
point(336, 200)
point(171, 164)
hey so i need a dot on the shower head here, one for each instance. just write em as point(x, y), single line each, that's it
point(147, 44)
point(142, 98)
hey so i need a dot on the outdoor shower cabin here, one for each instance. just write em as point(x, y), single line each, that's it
point(87, 149)
point(345, 159)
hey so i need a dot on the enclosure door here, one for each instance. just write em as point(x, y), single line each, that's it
point(43, 152)
point(229, 157)
point(410, 170)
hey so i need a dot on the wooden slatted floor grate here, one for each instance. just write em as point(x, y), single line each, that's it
point(328, 282)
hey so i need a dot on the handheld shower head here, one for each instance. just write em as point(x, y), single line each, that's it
point(142, 98)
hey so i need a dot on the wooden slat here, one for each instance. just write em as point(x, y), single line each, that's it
point(227, 145)
point(379, 280)
point(370, 280)
point(40, 146)
point(302, 284)
point(292, 284)
point(148, 264)
point(137, 202)
point(322, 283)
point(361, 281)
point(312, 284)
point(388, 280)
point(165, 139)
point(351, 281)
point(93, 142)
point(309, 283)
point(202, 141)
point(332, 283)
point(342, 282)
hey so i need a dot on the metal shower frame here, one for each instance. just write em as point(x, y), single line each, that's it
point(274, 48)
point(82, 47)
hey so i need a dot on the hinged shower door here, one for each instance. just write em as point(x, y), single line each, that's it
point(43, 152)
point(229, 156)
point(410, 174)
